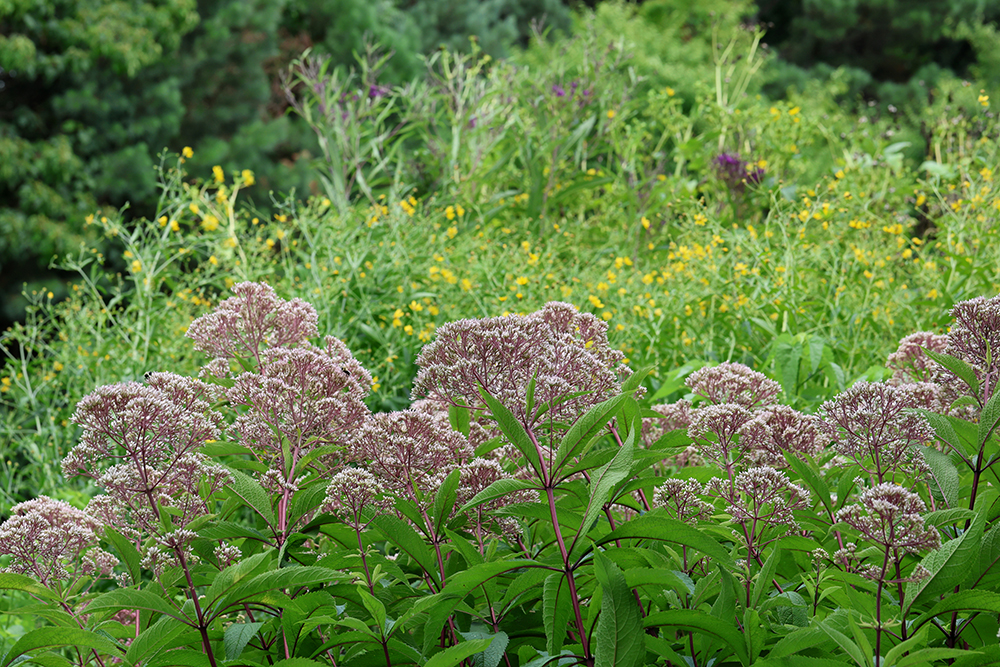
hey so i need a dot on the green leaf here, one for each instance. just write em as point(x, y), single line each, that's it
point(184, 657)
point(374, 607)
point(948, 430)
point(445, 498)
point(603, 482)
point(619, 644)
point(130, 598)
point(154, 639)
point(406, 539)
point(19, 582)
point(455, 654)
point(699, 621)
point(237, 636)
point(813, 479)
point(765, 577)
point(948, 517)
point(288, 577)
point(798, 640)
point(513, 430)
point(654, 577)
point(846, 644)
point(497, 489)
point(956, 366)
point(291, 662)
point(460, 418)
point(944, 472)
point(987, 571)
point(52, 636)
point(656, 526)
point(950, 566)
point(127, 551)
point(934, 654)
point(229, 577)
point(253, 494)
point(915, 641)
point(967, 600)
point(989, 417)
point(557, 610)
point(586, 430)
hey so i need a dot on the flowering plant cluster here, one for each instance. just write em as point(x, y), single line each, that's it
point(526, 509)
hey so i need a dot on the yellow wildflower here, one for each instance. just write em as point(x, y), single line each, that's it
point(220, 175)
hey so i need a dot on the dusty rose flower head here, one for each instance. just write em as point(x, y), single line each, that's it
point(477, 475)
point(674, 416)
point(780, 429)
point(351, 491)
point(256, 318)
point(141, 445)
point(975, 336)
point(873, 424)
point(567, 352)
point(762, 497)
point(53, 541)
point(909, 363)
point(407, 451)
point(307, 397)
point(681, 499)
point(716, 430)
point(889, 516)
point(733, 383)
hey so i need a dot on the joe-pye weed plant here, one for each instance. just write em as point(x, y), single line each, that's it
point(526, 509)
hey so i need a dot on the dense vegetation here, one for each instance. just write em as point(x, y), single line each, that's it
point(704, 198)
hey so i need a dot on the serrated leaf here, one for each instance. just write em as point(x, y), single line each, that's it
point(401, 535)
point(127, 551)
point(946, 431)
point(618, 644)
point(455, 654)
point(846, 644)
point(699, 621)
point(288, 577)
point(944, 472)
point(585, 430)
point(656, 526)
point(797, 641)
point(989, 417)
point(934, 654)
point(956, 366)
point(603, 482)
point(497, 489)
point(154, 638)
point(967, 600)
point(253, 494)
point(513, 430)
point(19, 582)
point(950, 565)
point(557, 609)
point(237, 636)
point(765, 577)
point(50, 636)
point(130, 598)
point(460, 418)
point(445, 498)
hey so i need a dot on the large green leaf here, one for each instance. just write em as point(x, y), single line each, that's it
point(455, 654)
point(968, 600)
point(987, 570)
point(699, 621)
point(402, 535)
point(129, 598)
point(497, 489)
point(232, 575)
point(288, 577)
point(513, 430)
point(944, 472)
point(557, 610)
point(153, 639)
point(955, 432)
point(657, 526)
point(618, 642)
point(989, 417)
point(846, 644)
point(585, 430)
point(253, 494)
point(19, 582)
point(950, 566)
point(956, 366)
point(603, 482)
point(50, 636)
point(444, 500)
point(798, 640)
point(126, 551)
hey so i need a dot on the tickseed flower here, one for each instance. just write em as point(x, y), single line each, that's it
point(872, 424)
point(220, 176)
point(187, 152)
point(248, 178)
point(611, 113)
point(210, 223)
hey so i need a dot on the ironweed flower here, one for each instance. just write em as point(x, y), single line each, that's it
point(351, 491)
point(304, 397)
point(680, 497)
point(872, 424)
point(888, 515)
point(252, 320)
point(407, 450)
point(53, 541)
point(733, 383)
point(735, 172)
point(565, 351)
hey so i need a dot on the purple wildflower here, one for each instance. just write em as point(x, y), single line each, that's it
point(681, 500)
point(733, 383)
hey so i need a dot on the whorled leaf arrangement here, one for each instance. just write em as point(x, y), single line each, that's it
point(525, 510)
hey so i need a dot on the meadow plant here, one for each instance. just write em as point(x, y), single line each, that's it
point(526, 511)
